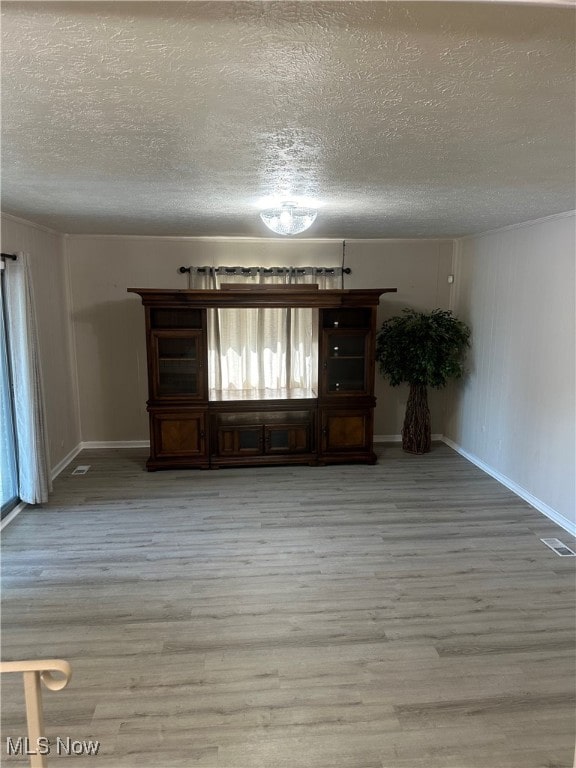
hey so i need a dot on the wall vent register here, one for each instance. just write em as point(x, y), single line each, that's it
point(559, 547)
point(81, 469)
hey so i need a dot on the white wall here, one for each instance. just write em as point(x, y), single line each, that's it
point(49, 275)
point(515, 412)
point(109, 323)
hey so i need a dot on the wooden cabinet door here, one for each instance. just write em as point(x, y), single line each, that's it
point(346, 431)
point(179, 434)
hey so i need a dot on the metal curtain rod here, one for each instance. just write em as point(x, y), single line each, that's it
point(265, 270)
point(11, 256)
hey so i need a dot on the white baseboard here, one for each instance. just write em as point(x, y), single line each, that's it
point(61, 466)
point(556, 517)
point(115, 444)
point(14, 513)
point(66, 460)
point(550, 513)
point(396, 438)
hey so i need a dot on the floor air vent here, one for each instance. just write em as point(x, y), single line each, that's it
point(81, 469)
point(558, 547)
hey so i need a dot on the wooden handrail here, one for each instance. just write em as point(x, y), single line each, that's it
point(33, 672)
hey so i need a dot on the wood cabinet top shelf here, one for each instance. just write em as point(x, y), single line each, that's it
point(265, 297)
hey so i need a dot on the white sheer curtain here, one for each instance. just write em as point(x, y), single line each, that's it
point(262, 349)
point(34, 480)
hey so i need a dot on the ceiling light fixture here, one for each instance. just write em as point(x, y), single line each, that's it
point(288, 218)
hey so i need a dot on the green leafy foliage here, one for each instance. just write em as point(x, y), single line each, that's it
point(422, 348)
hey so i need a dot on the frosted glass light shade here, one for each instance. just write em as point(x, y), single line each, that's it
point(288, 218)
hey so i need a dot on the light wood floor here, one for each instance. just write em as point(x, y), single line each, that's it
point(404, 615)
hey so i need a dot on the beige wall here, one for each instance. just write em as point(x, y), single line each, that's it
point(52, 306)
point(109, 323)
point(515, 412)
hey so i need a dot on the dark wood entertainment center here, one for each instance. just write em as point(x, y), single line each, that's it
point(192, 426)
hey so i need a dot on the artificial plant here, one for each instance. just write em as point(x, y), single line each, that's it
point(423, 349)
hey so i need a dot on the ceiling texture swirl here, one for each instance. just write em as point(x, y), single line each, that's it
point(394, 119)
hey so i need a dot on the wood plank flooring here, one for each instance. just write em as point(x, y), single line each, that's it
point(403, 615)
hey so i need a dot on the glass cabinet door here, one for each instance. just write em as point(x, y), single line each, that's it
point(287, 438)
point(179, 364)
point(240, 441)
point(344, 362)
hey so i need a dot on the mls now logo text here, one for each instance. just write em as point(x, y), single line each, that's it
point(45, 746)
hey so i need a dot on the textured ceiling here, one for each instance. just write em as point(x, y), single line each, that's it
point(398, 119)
